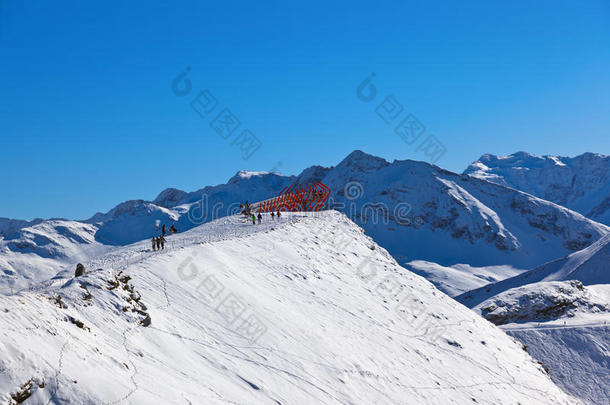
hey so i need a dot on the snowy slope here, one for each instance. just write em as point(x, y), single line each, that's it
point(566, 326)
point(581, 183)
point(341, 323)
point(590, 266)
point(38, 251)
point(575, 353)
point(460, 278)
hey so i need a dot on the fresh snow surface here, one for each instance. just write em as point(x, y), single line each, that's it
point(590, 266)
point(459, 278)
point(576, 354)
point(305, 311)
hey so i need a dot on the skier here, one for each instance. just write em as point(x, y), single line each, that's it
point(272, 215)
point(278, 215)
point(154, 243)
point(260, 217)
point(163, 230)
point(158, 243)
point(253, 220)
point(162, 240)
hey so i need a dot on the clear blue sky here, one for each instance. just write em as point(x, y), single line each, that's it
point(88, 118)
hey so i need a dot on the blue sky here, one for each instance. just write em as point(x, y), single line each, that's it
point(88, 117)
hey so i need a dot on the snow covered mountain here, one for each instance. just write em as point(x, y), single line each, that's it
point(543, 301)
point(459, 278)
point(581, 183)
point(589, 266)
point(415, 210)
point(132, 221)
point(281, 313)
point(421, 212)
point(564, 324)
point(40, 249)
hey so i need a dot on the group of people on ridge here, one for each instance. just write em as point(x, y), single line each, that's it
point(260, 217)
point(158, 243)
point(246, 210)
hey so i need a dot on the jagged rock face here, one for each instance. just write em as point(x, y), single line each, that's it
point(581, 183)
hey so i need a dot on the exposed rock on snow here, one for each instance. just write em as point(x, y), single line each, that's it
point(80, 270)
point(541, 302)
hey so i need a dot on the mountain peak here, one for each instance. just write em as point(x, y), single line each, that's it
point(362, 161)
point(170, 197)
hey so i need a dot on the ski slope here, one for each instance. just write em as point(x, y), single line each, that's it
point(459, 278)
point(565, 325)
point(575, 350)
point(305, 311)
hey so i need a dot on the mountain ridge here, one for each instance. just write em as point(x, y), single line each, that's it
point(411, 208)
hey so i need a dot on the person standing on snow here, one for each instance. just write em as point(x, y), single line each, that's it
point(278, 215)
point(158, 243)
point(253, 220)
point(163, 230)
point(162, 240)
point(260, 217)
point(154, 243)
point(272, 215)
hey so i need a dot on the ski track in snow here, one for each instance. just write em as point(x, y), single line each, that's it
point(58, 372)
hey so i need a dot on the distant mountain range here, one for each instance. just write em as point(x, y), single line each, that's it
point(416, 210)
point(581, 183)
